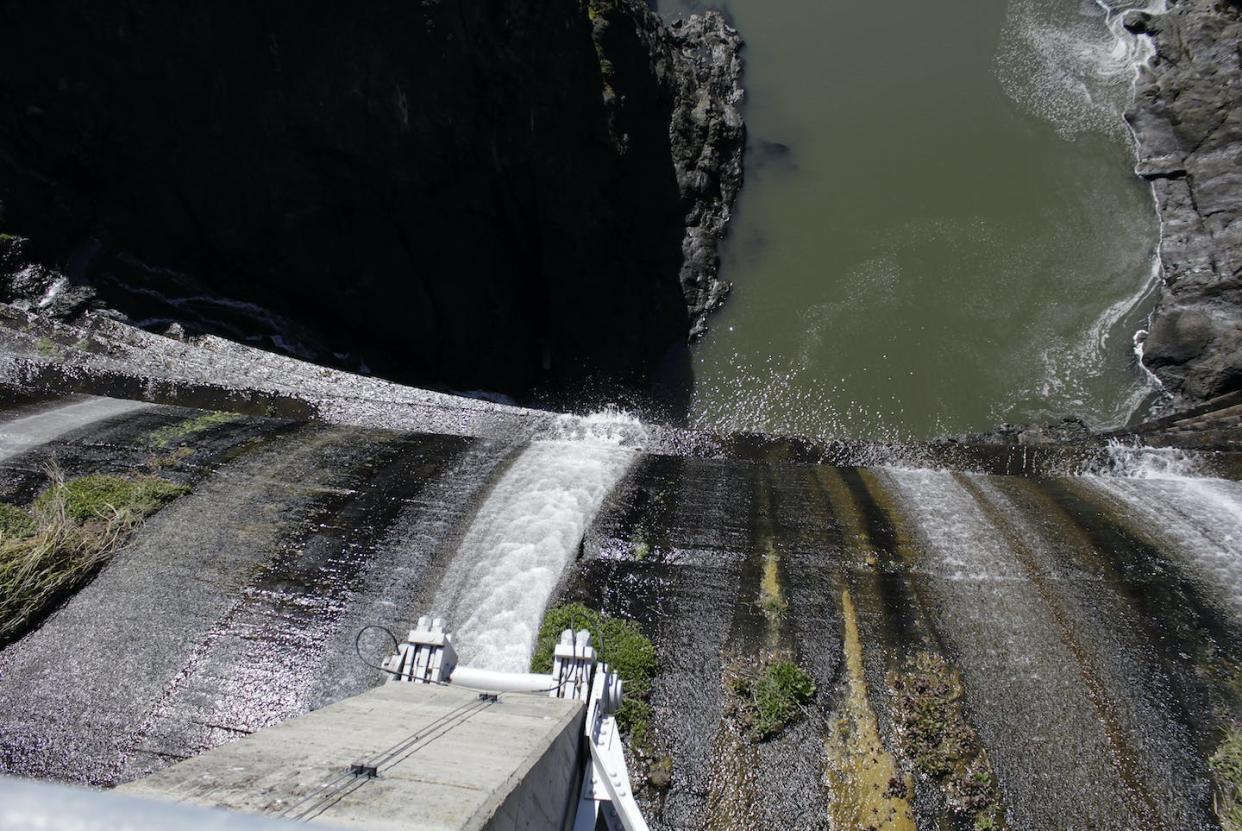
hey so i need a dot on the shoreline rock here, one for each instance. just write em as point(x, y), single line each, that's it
point(1186, 116)
point(709, 139)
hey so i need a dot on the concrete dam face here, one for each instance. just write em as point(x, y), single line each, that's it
point(1044, 648)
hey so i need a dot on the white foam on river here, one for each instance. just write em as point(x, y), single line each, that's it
point(527, 531)
point(1073, 70)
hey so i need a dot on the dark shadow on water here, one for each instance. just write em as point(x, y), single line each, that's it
point(664, 400)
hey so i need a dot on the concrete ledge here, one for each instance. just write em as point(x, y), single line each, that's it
point(445, 760)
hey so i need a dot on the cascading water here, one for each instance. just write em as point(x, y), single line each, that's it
point(525, 533)
point(1199, 517)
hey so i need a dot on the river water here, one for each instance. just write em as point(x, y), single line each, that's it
point(940, 228)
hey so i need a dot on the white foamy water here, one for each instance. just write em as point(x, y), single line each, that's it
point(1199, 518)
point(526, 532)
point(960, 542)
point(1073, 70)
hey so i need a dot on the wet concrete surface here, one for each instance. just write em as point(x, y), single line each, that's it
point(1099, 657)
point(83, 692)
point(180, 444)
point(27, 431)
point(1026, 690)
point(1097, 705)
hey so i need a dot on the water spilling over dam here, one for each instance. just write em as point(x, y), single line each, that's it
point(800, 590)
point(1090, 617)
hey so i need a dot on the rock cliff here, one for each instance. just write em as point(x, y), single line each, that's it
point(476, 195)
point(1188, 124)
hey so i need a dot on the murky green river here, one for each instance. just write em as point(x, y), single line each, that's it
point(940, 228)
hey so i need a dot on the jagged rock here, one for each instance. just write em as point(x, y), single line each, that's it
point(1188, 124)
point(30, 286)
point(708, 140)
point(1067, 431)
point(696, 62)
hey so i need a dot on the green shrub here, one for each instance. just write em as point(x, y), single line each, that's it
point(100, 497)
point(15, 523)
point(771, 699)
point(620, 643)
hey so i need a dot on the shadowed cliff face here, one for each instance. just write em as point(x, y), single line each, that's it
point(438, 187)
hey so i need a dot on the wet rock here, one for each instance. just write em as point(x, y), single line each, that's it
point(1137, 22)
point(708, 137)
point(30, 286)
point(1068, 430)
point(1188, 127)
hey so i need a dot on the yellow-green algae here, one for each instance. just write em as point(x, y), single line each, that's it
point(868, 789)
point(184, 430)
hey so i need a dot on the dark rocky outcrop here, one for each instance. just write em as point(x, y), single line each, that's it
point(1187, 120)
point(472, 194)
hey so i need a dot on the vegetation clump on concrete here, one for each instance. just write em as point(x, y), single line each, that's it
point(771, 599)
point(934, 739)
point(71, 529)
point(104, 497)
point(770, 698)
point(621, 644)
point(15, 524)
point(179, 432)
point(1226, 764)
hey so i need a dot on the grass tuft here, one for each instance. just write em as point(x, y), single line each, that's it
point(103, 497)
point(15, 524)
point(1226, 764)
point(74, 527)
point(770, 699)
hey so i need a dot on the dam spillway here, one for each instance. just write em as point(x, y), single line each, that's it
point(1090, 617)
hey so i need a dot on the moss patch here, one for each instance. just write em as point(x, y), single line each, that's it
point(621, 644)
point(601, 14)
point(100, 497)
point(771, 598)
point(47, 347)
point(936, 741)
point(1226, 764)
point(768, 699)
point(176, 433)
point(15, 523)
point(77, 525)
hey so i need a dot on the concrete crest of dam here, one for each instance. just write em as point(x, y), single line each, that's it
point(1090, 614)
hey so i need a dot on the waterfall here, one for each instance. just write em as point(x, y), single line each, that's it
point(525, 533)
point(1198, 517)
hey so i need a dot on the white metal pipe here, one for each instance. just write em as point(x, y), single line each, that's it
point(492, 681)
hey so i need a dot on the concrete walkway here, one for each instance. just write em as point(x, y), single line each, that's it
point(26, 432)
point(444, 759)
